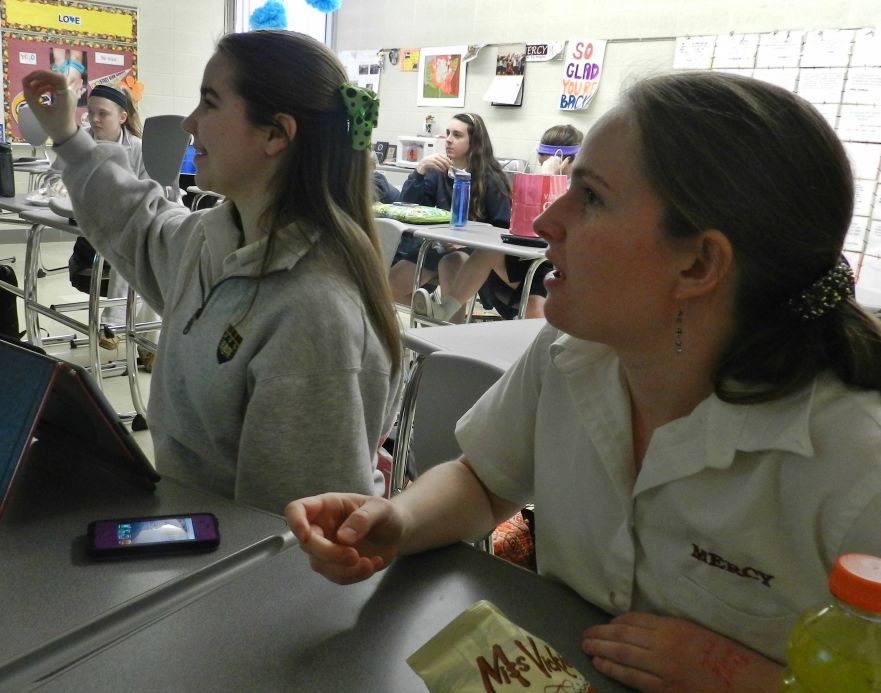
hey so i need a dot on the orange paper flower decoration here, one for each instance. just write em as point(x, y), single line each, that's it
point(134, 86)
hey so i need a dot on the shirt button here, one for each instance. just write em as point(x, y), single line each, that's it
point(613, 598)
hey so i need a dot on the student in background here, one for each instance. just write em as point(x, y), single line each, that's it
point(467, 147)
point(113, 117)
point(699, 424)
point(497, 276)
point(383, 191)
point(279, 356)
point(557, 149)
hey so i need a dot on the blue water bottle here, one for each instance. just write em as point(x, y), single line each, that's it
point(461, 197)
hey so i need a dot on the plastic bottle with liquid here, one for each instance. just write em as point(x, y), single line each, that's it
point(837, 648)
point(461, 198)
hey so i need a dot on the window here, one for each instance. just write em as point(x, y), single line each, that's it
point(300, 16)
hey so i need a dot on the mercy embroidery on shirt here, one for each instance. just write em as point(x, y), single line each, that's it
point(715, 560)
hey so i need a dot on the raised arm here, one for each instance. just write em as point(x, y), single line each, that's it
point(53, 103)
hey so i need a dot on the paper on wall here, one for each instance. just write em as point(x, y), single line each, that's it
point(866, 48)
point(694, 52)
point(541, 52)
point(362, 67)
point(779, 49)
point(735, 51)
point(582, 71)
point(827, 48)
point(821, 85)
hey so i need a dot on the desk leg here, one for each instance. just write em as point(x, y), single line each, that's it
point(29, 283)
point(527, 285)
point(420, 262)
point(94, 319)
point(405, 428)
point(133, 340)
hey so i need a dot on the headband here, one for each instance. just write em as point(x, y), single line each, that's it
point(362, 107)
point(114, 95)
point(552, 149)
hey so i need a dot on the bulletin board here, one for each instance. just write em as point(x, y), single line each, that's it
point(90, 43)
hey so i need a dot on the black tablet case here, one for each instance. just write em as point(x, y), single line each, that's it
point(43, 398)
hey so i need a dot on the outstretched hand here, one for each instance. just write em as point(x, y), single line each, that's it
point(348, 537)
point(658, 654)
point(57, 112)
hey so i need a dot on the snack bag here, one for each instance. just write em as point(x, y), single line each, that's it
point(481, 651)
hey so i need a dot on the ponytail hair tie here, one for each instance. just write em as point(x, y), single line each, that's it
point(826, 293)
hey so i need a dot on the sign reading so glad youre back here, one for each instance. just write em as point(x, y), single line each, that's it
point(582, 70)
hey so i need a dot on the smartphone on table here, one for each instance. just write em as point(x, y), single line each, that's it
point(155, 535)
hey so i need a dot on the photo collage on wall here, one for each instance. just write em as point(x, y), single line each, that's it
point(37, 36)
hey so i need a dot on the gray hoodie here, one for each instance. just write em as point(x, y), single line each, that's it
point(303, 401)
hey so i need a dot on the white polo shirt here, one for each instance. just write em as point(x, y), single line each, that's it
point(735, 518)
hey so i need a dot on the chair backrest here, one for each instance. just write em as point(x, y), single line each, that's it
point(30, 127)
point(164, 144)
point(389, 232)
point(442, 387)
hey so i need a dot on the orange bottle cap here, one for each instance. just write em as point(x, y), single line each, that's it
point(856, 580)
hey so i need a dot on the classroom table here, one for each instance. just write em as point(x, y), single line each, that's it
point(500, 342)
point(38, 218)
point(250, 616)
point(480, 236)
point(57, 601)
point(282, 627)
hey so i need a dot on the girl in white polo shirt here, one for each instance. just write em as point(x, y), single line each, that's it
point(699, 424)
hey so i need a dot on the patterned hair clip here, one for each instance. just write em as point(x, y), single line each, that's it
point(833, 288)
point(362, 106)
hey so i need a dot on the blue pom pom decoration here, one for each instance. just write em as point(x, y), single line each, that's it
point(325, 5)
point(272, 15)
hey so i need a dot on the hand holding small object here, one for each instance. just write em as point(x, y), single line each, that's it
point(57, 113)
point(348, 536)
point(439, 162)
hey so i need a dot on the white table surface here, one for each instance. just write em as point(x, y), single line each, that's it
point(499, 342)
point(46, 217)
point(476, 235)
point(17, 204)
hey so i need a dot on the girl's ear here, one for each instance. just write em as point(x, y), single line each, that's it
point(123, 116)
point(280, 134)
point(707, 266)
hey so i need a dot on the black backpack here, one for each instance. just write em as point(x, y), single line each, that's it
point(80, 267)
point(8, 311)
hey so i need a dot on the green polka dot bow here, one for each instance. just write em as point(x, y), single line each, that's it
point(362, 105)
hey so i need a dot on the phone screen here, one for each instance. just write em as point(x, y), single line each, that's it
point(153, 535)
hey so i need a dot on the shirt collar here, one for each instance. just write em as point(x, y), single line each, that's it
point(709, 437)
point(291, 243)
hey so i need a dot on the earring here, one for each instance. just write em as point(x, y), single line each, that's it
point(678, 341)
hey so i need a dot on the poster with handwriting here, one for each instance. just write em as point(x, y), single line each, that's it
point(582, 72)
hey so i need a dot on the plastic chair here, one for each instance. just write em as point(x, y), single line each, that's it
point(30, 128)
point(442, 386)
point(389, 232)
point(163, 147)
point(34, 134)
